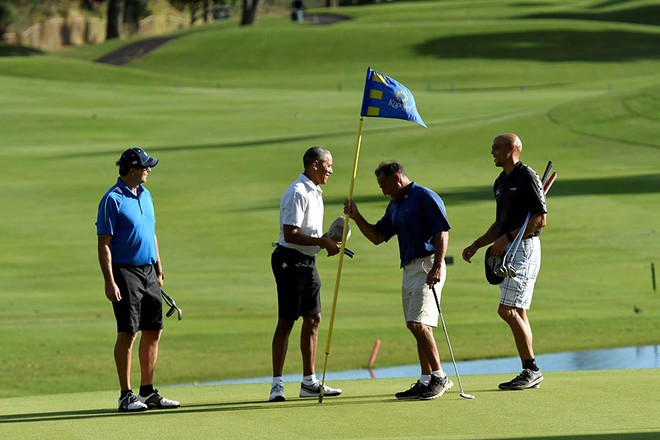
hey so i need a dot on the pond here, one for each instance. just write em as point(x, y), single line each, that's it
point(647, 356)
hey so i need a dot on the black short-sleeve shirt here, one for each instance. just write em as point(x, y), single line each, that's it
point(517, 194)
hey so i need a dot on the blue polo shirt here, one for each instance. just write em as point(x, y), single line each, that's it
point(415, 218)
point(131, 221)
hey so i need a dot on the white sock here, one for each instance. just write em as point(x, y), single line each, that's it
point(277, 380)
point(441, 374)
point(425, 379)
point(309, 380)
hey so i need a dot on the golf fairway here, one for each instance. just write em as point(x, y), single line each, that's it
point(229, 111)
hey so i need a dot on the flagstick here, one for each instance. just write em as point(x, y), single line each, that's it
point(341, 260)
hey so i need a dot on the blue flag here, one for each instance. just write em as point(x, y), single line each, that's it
point(387, 98)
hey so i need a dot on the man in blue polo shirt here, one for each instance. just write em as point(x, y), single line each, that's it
point(133, 276)
point(417, 216)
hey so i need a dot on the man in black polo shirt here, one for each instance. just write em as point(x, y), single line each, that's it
point(518, 191)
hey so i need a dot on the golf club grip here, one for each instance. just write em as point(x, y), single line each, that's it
point(548, 184)
point(548, 168)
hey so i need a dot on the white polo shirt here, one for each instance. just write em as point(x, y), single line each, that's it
point(302, 206)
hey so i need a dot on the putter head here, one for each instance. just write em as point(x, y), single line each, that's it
point(179, 312)
point(467, 396)
point(170, 302)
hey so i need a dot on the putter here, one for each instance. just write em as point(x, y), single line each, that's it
point(444, 327)
point(173, 307)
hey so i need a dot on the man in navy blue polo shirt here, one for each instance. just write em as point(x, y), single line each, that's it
point(518, 190)
point(133, 276)
point(418, 217)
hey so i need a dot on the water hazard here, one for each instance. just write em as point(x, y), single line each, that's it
point(647, 356)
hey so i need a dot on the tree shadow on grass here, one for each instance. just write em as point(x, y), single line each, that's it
point(11, 50)
point(643, 184)
point(642, 15)
point(550, 46)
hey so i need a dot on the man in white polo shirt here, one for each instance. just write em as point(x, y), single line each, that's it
point(294, 266)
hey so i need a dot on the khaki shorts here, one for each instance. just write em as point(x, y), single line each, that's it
point(416, 296)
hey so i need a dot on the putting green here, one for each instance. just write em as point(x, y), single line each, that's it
point(594, 404)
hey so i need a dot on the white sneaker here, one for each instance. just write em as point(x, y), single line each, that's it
point(156, 401)
point(130, 403)
point(315, 389)
point(277, 393)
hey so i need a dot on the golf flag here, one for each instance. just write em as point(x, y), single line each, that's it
point(387, 98)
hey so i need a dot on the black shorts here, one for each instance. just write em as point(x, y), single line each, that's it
point(298, 284)
point(141, 306)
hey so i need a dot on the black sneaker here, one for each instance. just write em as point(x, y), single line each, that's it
point(156, 401)
point(526, 379)
point(413, 392)
point(436, 387)
point(130, 403)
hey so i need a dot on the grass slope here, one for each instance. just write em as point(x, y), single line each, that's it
point(229, 112)
point(568, 405)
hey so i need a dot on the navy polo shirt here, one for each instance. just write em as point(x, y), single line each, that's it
point(131, 221)
point(415, 217)
point(517, 194)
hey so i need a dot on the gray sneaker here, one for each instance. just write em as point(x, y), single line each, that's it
point(436, 387)
point(413, 392)
point(277, 393)
point(526, 379)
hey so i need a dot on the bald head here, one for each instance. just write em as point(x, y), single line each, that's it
point(510, 139)
point(506, 150)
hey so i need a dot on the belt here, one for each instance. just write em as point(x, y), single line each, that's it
point(293, 252)
point(128, 266)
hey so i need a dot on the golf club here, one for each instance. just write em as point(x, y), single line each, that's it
point(170, 302)
point(451, 351)
point(444, 327)
point(548, 168)
point(507, 268)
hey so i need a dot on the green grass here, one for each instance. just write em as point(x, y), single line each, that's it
point(568, 405)
point(229, 112)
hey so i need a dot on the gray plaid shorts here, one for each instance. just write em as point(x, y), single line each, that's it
point(518, 291)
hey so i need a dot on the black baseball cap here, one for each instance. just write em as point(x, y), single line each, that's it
point(136, 158)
